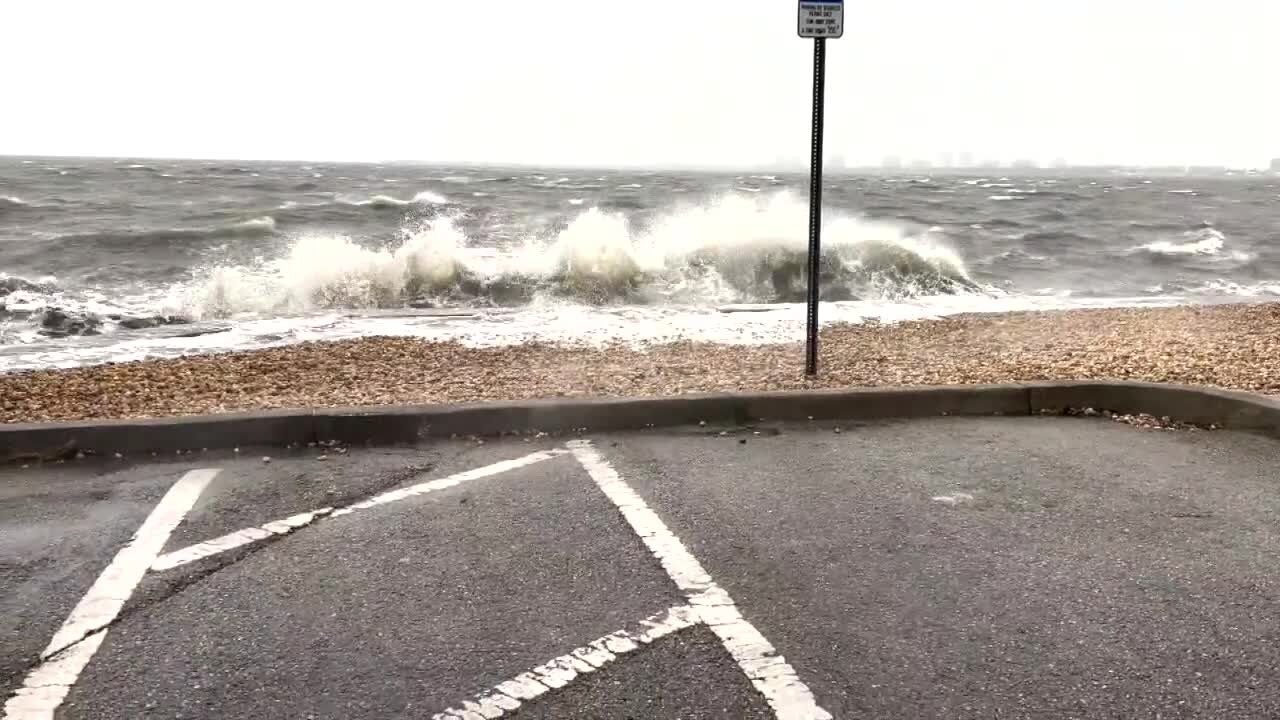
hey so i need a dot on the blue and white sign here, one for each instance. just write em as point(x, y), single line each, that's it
point(821, 18)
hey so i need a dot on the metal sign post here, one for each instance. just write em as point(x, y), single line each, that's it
point(819, 19)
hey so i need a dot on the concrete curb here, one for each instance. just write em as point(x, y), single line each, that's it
point(387, 425)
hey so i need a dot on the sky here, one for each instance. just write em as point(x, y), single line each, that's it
point(644, 83)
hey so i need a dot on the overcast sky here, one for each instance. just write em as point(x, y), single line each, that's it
point(645, 82)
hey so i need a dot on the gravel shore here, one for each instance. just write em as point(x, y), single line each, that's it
point(1231, 346)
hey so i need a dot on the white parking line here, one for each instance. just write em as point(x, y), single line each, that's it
point(237, 539)
point(790, 698)
point(47, 686)
point(85, 628)
point(250, 535)
point(506, 697)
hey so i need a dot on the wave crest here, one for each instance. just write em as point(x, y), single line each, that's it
point(735, 250)
point(426, 197)
point(265, 224)
point(10, 284)
point(1206, 241)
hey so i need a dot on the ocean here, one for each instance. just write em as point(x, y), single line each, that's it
point(109, 260)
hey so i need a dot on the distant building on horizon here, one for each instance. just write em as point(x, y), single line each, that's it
point(1275, 165)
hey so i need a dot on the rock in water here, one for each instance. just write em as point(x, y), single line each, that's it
point(57, 323)
point(140, 323)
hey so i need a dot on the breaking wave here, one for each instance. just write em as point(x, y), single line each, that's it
point(13, 285)
point(12, 203)
point(1205, 245)
point(425, 197)
point(22, 298)
point(1206, 241)
point(265, 225)
point(737, 249)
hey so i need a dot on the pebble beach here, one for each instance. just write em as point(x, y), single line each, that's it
point(1230, 346)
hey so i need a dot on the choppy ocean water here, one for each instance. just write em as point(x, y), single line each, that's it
point(108, 260)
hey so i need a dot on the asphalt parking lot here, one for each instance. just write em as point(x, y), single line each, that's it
point(944, 568)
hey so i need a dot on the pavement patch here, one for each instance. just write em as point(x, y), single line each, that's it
point(286, 525)
point(1097, 571)
point(60, 525)
point(965, 568)
point(251, 493)
point(559, 671)
point(684, 676)
point(75, 643)
point(789, 697)
point(407, 609)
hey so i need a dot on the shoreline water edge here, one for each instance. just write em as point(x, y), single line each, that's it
point(1232, 346)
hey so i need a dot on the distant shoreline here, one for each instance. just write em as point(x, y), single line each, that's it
point(1010, 170)
point(1230, 346)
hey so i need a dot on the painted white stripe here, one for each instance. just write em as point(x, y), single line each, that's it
point(448, 482)
point(47, 686)
point(790, 698)
point(507, 696)
point(86, 627)
point(247, 536)
point(236, 539)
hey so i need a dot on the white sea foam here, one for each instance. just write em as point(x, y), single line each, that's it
point(425, 197)
point(383, 201)
point(1206, 241)
point(266, 223)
